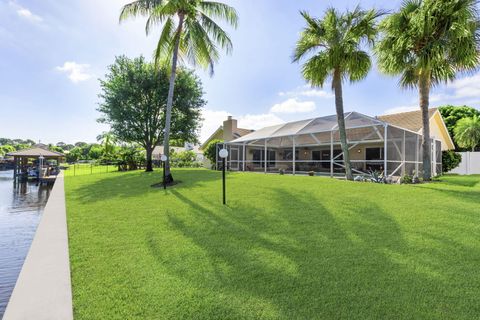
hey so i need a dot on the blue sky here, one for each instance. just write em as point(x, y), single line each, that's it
point(53, 52)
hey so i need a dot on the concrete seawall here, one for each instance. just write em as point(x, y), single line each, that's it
point(43, 290)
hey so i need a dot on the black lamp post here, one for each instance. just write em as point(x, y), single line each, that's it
point(223, 154)
point(164, 158)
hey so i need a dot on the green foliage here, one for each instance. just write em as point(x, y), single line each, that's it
point(467, 132)
point(285, 247)
point(334, 49)
point(192, 23)
point(406, 179)
point(429, 39)
point(55, 148)
point(130, 158)
point(133, 103)
point(14, 142)
point(95, 152)
point(74, 155)
point(450, 160)
point(184, 159)
point(334, 44)
point(452, 114)
point(4, 149)
point(210, 152)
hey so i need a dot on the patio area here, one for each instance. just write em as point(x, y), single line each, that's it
point(313, 145)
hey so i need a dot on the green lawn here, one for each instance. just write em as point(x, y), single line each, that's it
point(285, 247)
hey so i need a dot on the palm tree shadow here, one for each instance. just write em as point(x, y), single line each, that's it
point(299, 261)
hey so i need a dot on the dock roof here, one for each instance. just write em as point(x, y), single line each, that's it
point(36, 152)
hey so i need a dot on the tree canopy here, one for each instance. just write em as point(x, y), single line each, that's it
point(134, 96)
point(467, 132)
point(452, 114)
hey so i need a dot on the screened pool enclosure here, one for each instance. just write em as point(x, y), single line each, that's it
point(313, 145)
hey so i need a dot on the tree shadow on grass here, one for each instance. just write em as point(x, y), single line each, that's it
point(305, 262)
point(128, 185)
point(462, 181)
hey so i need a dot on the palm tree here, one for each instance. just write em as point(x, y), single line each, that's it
point(467, 132)
point(334, 48)
point(428, 42)
point(189, 33)
point(108, 140)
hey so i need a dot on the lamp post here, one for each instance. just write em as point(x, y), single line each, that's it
point(164, 159)
point(40, 166)
point(223, 154)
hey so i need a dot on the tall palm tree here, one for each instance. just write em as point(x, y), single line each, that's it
point(108, 140)
point(467, 132)
point(334, 49)
point(189, 33)
point(428, 42)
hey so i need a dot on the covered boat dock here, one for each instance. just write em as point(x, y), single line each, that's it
point(36, 163)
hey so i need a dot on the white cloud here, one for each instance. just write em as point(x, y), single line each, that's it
point(401, 109)
point(306, 91)
point(76, 72)
point(25, 13)
point(293, 106)
point(467, 87)
point(258, 121)
point(214, 119)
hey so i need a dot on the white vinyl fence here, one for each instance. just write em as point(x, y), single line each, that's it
point(470, 163)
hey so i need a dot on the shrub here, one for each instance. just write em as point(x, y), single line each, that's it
point(210, 152)
point(406, 179)
point(450, 160)
point(184, 159)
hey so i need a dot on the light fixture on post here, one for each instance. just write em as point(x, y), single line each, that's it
point(164, 159)
point(223, 154)
point(40, 166)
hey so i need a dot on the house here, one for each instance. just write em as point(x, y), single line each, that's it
point(158, 151)
point(391, 144)
point(413, 121)
point(227, 132)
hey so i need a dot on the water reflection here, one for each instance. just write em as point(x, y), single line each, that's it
point(20, 211)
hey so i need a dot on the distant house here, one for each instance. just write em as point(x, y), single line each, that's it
point(158, 151)
point(391, 144)
point(227, 132)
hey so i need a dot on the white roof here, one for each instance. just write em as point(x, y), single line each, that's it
point(315, 125)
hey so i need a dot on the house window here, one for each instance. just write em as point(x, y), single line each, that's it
point(287, 155)
point(257, 158)
point(259, 155)
point(374, 154)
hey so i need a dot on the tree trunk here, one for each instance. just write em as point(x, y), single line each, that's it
point(424, 92)
point(149, 151)
point(337, 86)
point(168, 116)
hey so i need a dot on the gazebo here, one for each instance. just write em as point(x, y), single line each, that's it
point(21, 160)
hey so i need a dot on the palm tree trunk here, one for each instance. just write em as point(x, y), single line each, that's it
point(424, 93)
point(168, 116)
point(337, 86)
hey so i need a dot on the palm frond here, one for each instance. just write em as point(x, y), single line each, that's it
point(220, 11)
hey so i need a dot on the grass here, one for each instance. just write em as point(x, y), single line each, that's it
point(79, 169)
point(285, 247)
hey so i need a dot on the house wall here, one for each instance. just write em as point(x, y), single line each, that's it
point(439, 132)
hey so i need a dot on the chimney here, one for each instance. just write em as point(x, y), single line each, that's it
point(229, 128)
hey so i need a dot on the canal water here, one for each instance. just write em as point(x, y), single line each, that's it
point(20, 212)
